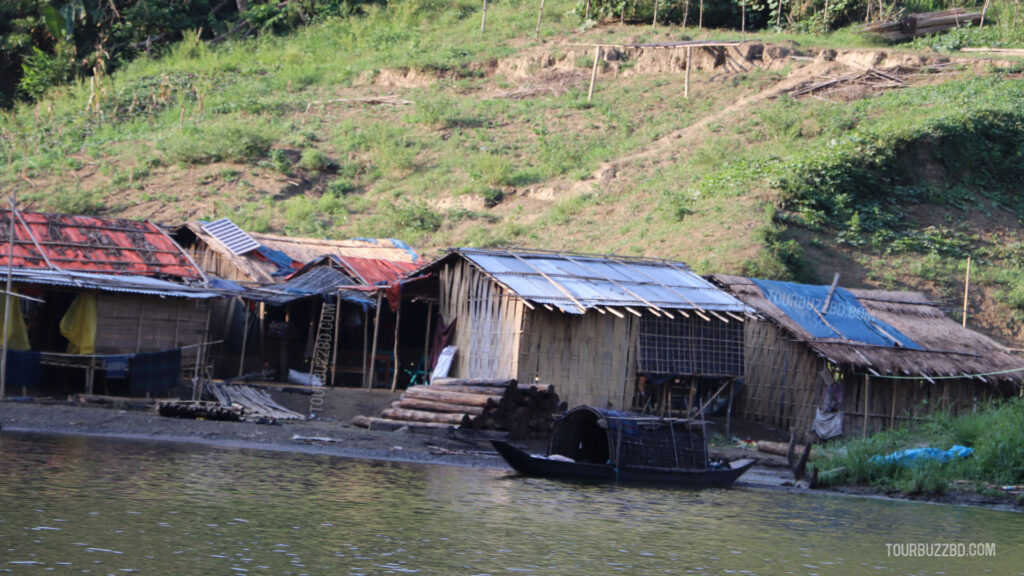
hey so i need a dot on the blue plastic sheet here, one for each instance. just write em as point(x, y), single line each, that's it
point(915, 455)
point(846, 317)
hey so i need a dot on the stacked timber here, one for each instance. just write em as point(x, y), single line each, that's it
point(198, 409)
point(479, 404)
point(255, 404)
point(922, 24)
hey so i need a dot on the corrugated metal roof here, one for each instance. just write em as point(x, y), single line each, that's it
point(316, 281)
point(91, 244)
point(110, 283)
point(563, 280)
point(231, 236)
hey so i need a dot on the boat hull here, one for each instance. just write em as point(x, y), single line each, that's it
point(534, 466)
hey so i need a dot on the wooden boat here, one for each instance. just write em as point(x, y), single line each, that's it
point(605, 445)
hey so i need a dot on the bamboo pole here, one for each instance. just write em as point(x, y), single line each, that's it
point(334, 344)
point(245, 337)
point(540, 14)
point(427, 344)
point(366, 342)
point(689, 63)
point(316, 340)
point(7, 298)
point(376, 334)
point(967, 285)
point(654, 21)
point(483, 17)
point(398, 322)
point(197, 387)
point(743, 19)
point(593, 72)
point(867, 394)
point(700, 17)
point(984, 10)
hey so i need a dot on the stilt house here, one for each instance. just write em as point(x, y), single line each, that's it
point(858, 361)
point(107, 298)
point(603, 329)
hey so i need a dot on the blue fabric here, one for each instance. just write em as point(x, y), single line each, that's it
point(116, 366)
point(845, 314)
point(228, 285)
point(24, 368)
point(283, 261)
point(915, 455)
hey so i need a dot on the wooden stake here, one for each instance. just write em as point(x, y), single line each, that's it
point(967, 285)
point(398, 320)
point(483, 17)
point(654, 21)
point(689, 63)
point(540, 14)
point(867, 394)
point(984, 9)
point(376, 334)
point(197, 387)
point(824, 16)
point(593, 72)
point(700, 17)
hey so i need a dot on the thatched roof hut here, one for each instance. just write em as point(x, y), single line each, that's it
point(912, 352)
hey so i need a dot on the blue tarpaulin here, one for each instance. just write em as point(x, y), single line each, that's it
point(915, 455)
point(846, 317)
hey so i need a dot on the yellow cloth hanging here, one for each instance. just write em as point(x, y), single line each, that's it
point(17, 334)
point(79, 325)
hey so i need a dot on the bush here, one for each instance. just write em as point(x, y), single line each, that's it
point(315, 161)
point(232, 139)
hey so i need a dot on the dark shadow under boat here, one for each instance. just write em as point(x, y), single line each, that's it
point(611, 446)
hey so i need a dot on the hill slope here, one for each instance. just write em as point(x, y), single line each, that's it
point(411, 123)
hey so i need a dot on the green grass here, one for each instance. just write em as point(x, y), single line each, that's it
point(995, 432)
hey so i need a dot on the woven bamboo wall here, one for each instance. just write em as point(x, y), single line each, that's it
point(590, 358)
point(130, 323)
point(782, 378)
point(216, 264)
point(894, 401)
point(489, 325)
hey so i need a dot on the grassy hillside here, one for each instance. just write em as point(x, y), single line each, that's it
point(409, 122)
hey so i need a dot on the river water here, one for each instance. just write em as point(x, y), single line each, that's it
point(71, 505)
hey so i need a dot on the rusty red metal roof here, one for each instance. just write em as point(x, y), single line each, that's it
point(92, 244)
point(377, 270)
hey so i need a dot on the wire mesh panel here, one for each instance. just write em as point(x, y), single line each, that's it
point(662, 445)
point(690, 346)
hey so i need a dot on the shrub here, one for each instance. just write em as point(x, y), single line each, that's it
point(314, 160)
point(232, 139)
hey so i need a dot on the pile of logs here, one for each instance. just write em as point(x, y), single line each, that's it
point(922, 24)
point(198, 409)
point(520, 409)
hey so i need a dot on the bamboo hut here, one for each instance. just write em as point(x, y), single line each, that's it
point(604, 330)
point(307, 298)
point(114, 299)
point(869, 358)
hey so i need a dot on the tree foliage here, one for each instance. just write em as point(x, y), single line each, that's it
point(44, 43)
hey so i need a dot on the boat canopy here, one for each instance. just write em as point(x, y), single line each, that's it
point(626, 439)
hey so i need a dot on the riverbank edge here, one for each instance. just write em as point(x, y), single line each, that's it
point(339, 439)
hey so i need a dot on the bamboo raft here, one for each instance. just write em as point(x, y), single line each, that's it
point(479, 404)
